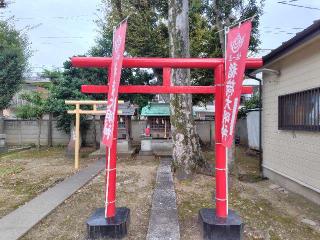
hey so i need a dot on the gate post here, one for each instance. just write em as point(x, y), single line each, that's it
point(219, 223)
point(111, 173)
point(110, 222)
point(221, 170)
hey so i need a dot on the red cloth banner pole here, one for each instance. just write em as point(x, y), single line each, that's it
point(111, 174)
point(236, 54)
point(221, 162)
point(110, 130)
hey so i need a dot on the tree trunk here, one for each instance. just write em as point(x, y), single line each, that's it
point(50, 130)
point(221, 22)
point(1, 122)
point(39, 133)
point(187, 155)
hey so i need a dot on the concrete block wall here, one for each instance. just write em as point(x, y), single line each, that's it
point(242, 131)
point(24, 132)
point(205, 130)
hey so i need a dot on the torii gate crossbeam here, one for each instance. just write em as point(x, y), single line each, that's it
point(216, 64)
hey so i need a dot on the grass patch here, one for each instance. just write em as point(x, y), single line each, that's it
point(260, 214)
point(191, 206)
point(249, 178)
point(23, 187)
point(36, 154)
point(10, 170)
point(266, 214)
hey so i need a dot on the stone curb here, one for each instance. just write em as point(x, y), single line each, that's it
point(17, 223)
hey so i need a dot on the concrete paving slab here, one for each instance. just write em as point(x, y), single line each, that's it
point(164, 199)
point(163, 223)
point(163, 232)
point(164, 178)
point(17, 223)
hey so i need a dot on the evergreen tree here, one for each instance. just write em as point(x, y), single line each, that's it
point(13, 62)
point(35, 107)
point(148, 36)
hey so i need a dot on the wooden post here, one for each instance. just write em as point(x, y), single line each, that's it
point(127, 127)
point(165, 128)
point(50, 130)
point(78, 112)
point(77, 140)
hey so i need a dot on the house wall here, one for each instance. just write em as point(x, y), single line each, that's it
point(292, 158)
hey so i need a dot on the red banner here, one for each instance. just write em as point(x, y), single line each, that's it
point(236, 53)
point(119, 36)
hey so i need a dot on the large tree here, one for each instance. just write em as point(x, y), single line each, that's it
point(186, 148)
point(36, 107)
point(13, 62)
point(148, 36)
point(225, 13)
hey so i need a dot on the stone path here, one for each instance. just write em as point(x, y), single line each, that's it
point(163, 223)
point(17, 223)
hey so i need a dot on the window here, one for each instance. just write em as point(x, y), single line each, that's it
point(300, 110)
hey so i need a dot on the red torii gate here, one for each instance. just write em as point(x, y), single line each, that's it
point(216, 64)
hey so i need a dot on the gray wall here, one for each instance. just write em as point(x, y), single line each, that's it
point(242, 131)
point(24, 132)
point(253, 129)
point(205, 129)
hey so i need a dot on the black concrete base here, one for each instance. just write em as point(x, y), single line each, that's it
point(100, 227)
point(214, 228)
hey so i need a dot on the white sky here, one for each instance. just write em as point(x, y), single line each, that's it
point(66, 27)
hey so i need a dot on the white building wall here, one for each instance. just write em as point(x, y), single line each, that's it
point(292, 154)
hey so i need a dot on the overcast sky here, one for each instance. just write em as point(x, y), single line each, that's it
point(63, 28)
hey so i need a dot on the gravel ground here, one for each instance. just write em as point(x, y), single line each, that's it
point(135, 184)
point(269, 211)
point(23, 175)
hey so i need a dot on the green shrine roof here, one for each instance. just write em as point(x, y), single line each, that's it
point(156, 109)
